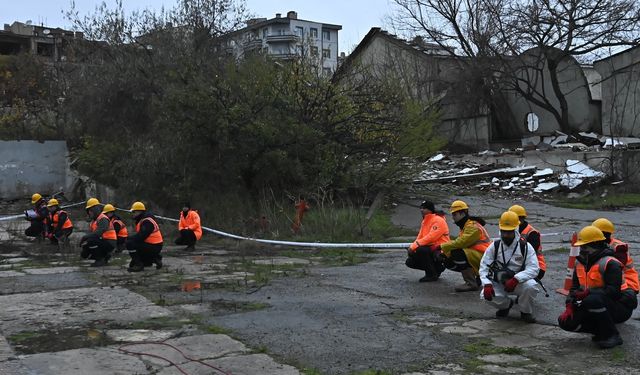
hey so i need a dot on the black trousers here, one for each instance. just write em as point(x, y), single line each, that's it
point(143, 254)
point(63, 233)
point(96, 249)
point(457, 261)
point(187, 238)
point(36, 229)
point(424, 259)
point(121, 244)
point(599, 314)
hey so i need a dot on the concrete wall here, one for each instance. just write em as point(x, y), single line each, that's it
point(27, 167)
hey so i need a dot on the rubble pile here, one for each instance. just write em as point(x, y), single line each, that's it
point(525, 180)
point(583, 141)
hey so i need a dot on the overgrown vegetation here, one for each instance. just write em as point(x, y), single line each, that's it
point(610, 202)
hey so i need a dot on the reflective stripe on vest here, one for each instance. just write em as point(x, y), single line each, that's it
point(109, 234)
point(123, 233)
point(67, 223)
point(525, 234)
point(594, 279)
point(484, 242)
point(155, 237)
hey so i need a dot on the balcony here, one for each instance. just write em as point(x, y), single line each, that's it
point(280, 38)
point(254, 44)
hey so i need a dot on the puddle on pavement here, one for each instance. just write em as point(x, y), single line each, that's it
point(58, 340)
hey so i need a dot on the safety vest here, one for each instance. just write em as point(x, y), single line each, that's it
point(525, 234)
point(192, 219)
point(122, 232)
point(630, 273)
point(109, 234)
point(155, 237)
point(484, 241)
point(594, 279)
point(55, 218)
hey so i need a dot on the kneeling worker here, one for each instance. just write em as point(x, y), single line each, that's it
point(190, 228)
point(118, 225)
point(508, 268)
point(100, 242)
point(433, 231)
point(60, 226)
point(144, 247)
point(620, 252)
point(599, 297)
point(464, 253)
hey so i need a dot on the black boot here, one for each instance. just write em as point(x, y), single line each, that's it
point(99, 263)
point(610, 342)
point(503, 313)
point(158, 262)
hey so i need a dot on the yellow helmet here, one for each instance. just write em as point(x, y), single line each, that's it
point(35, 198)
point(53, 202)
point(108, 208)
point(458, 205)
point(509, 221)
point(604, 225)
point(92, 202)
point(588, 235)
point(519, 210)
point(138, 206)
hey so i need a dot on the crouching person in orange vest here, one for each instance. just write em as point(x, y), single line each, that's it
point(100, 242)
point(464, 253)
point(620, 252)
point(59, 225)
point(433, 231)
point(118, 225)
point(600, 296)
point(144, 247)
point(190, 228)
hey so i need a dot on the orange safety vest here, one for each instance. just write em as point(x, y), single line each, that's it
point(109, 234)
point(155, 237)
point(525, 234)
point(192, 220)
point(122, 233)
point(55, 218)
point(630, 273)
point(484, 241)
point(594, 279)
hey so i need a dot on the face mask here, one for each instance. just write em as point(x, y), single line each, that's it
point(507, 237)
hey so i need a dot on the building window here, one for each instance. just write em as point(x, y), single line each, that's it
point(326, 71)
point(264, 32)
point(299, 31)
point(326, 35)
point(532, 122)
point(326, 53)
point(314, 51)
point(314, 32)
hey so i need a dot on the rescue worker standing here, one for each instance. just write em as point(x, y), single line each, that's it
point(620, 252)
point(144, 247)
point(532, 235)
point(59, 225)
point(599, 297)
point(118, 225)
point(464, 253)
point(508, 268)
point(433, 231)
point(37, 217)
point(189, 226)
point(100, 242)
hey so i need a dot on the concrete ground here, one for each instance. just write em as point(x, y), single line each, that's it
point(270, 310)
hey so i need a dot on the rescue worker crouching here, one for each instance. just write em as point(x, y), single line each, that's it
point(99, 243)
point(433, 231)
point(36, 217)
point(59, 224)
point(145, 246)
point(620, 252)
point(464, 253)
point(118, 225)
point(532, 235)
point(189, 227)
point(508, 268)
point(599, 297)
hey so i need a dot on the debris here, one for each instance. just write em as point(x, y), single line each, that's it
point(437, 157)
point(545, 187)
point(582, 170)
point(543, 172)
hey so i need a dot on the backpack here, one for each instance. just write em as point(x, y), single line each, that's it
point(500, 273)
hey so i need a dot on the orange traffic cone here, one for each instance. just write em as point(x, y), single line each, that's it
point(573, 253)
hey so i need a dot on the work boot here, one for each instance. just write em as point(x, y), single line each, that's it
point(99, 263)
point(527, 317)
point(135, 268)
point(470, 284)
point(428, 278)
point(190, 248)
point(610, 342)
point(158, 263)
point(503, 313)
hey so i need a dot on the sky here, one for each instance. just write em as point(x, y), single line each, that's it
point(355, 16)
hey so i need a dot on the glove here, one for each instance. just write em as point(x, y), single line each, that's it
point(510, 284)
point(567, 314)
point(488, 292)
point(581, 294)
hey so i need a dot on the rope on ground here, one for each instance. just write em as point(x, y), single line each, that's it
point(129, 352)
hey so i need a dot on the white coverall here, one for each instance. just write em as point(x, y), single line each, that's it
point(527, 287)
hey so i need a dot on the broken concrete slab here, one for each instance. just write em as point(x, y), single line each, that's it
point(504, 359)
point(5, 350)
point(103, 361)
point(281, 261)
point(138, 335)
point(50, 271)
point(11, 273)
point(252, 364)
